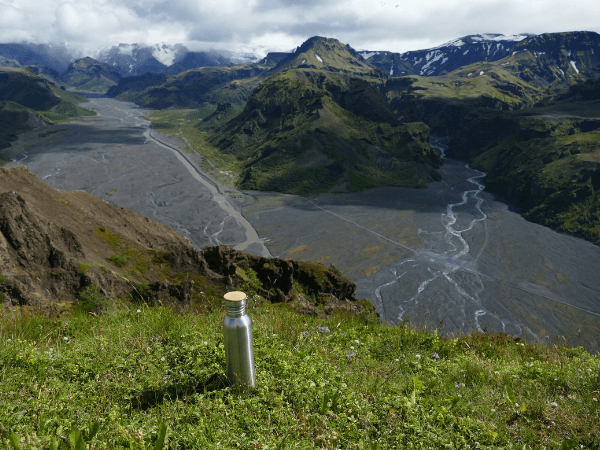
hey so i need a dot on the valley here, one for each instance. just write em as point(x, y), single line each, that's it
point(114, 157)
point(451, 256)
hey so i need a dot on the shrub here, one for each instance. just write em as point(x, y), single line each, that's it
point(120, 260)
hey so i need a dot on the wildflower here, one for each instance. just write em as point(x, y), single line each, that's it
point(435, 356)
point(418, 355)
point(554, 404)
point(351, 355)
point(351, 347)
point(323, 330)
point(356, 341)
point(456, 385)
point(66, 338)
point(139, 310)
point(595, 399)
point(10, 340)
point(397, 360)
point(205, 343)
point(162, 359)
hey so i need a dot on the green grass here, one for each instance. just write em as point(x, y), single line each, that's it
point(321, 383)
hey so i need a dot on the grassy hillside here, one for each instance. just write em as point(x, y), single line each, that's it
point(305, 131)
point(115, 378)
point(543, 159)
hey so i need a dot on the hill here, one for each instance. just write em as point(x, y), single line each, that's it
point(29, 101)
point(190, 89)
point(92, 75)
point(305, 131)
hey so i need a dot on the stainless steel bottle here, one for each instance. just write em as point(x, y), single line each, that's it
point(237, 335)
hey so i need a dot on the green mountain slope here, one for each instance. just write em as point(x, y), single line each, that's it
point(92, 75)
point(545, 159)
point(305, 131)
point(190, 89)
point(28, 101)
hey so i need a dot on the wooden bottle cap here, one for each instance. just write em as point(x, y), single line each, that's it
point(235, 296)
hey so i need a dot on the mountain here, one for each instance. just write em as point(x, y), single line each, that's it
point(28, 101)
point(306, 131)
point(54, 56)
point(136, 59)
point(274, 58)
point(327, 54)
point(190, 89)
point(89, 74)
point(28, 90)
point(529, 120)
point(446, 57)
point(192, 60)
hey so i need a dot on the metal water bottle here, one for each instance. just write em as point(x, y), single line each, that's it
point(237, 336)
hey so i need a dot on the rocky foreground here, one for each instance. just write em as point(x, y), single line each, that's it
point(55, 244)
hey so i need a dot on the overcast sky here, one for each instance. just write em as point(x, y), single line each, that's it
point(284, 24)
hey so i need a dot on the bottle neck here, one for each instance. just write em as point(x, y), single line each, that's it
point(235, 309)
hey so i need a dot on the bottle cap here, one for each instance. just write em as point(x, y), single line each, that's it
point(235, 296)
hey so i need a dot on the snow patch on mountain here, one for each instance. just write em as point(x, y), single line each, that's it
point(367, 55)
point(166, 54)
point(319, 58)
point(574, 66)
point(499, 37)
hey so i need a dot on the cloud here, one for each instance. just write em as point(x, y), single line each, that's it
point(284, 24)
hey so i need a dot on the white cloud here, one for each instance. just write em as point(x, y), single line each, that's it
point(284, 24)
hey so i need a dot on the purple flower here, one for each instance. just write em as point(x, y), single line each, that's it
point(456, 385)
point(435, 356)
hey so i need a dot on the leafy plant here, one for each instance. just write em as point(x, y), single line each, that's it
point(120, 260)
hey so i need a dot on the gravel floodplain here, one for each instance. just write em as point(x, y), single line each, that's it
point(116, 157)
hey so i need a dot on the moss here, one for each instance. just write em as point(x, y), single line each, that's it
point(108, 236)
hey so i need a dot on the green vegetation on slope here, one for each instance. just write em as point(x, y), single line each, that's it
point(338, 382)
point(190, 89)
point(305, 132)
point(543, 159)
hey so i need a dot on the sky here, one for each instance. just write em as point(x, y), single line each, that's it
point(282, 25)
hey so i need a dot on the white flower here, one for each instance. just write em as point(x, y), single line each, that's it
point(356, 341)
point(66, 338)
point(162, 359)
point(10, 340)
point(554, 404)
point(418, 355)
point(205, 343)
point(396, 360)
point(595, 399)
point(351, 347)
point(139, 310)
